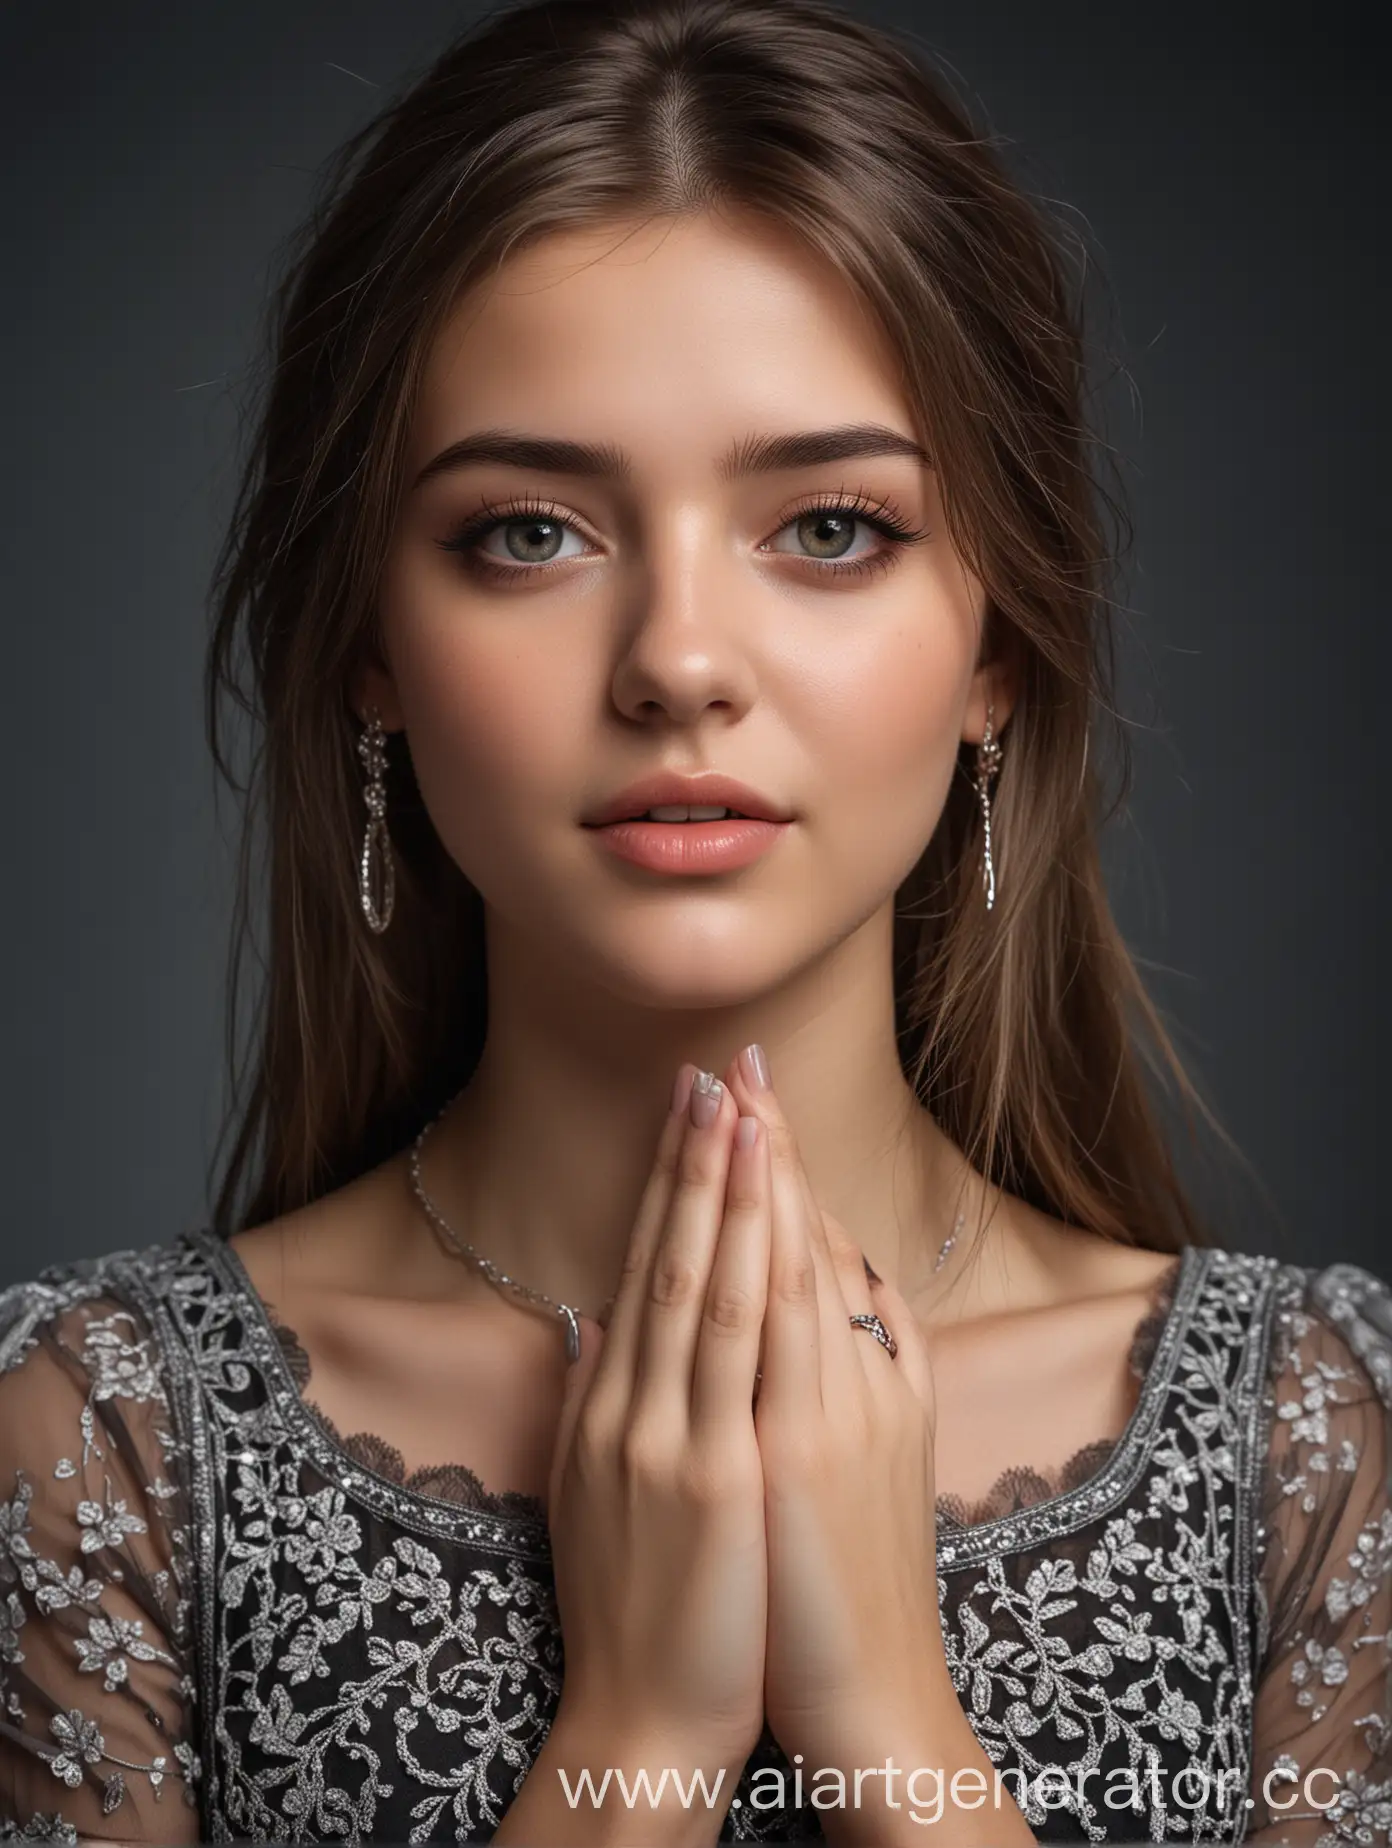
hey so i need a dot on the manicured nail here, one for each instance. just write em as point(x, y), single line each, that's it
point(755, 1067)
point(706, 1093)
point(746, 1130)
point(870, 1272)
point(681, 1090)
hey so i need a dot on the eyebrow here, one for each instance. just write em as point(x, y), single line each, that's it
point(755, 455)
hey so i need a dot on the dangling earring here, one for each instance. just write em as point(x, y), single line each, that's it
point(372, 748)
point(988, 756)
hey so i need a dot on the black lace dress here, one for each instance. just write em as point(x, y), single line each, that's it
point(222, 1619)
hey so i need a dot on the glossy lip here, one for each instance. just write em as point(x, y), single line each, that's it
point(668, 790)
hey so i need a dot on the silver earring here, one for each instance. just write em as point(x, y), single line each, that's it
point(372, 748)
point(988, 756)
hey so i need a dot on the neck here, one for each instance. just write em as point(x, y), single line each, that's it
point(540, 1163)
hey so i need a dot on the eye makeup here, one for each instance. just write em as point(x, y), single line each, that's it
point(859, 508)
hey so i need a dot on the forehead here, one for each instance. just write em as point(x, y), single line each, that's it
point(660, 333)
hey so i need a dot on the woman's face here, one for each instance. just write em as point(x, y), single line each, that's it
point(554, 634)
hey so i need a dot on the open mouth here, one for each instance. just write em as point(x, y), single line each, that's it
point(689, 814)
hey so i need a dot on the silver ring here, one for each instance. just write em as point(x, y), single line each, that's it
point(878, 1330)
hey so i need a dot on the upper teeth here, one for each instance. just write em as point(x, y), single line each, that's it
point(679, 813)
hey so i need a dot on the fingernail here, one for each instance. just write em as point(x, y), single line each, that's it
point(755, 1067)
point(681, 1089)
point(870, 1271)
point(572, 1336)
point(706, 1093)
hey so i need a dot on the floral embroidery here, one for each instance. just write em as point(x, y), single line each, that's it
point(82, 1743)
point(106, 1526)
point(316, 1647)
point(108, 1645)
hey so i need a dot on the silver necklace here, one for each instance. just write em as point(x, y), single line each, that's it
point(499, 1277)
point(494, 1273)
point(950, 1240)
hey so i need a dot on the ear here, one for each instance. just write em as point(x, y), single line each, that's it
point(995, 682)
point(373, 686)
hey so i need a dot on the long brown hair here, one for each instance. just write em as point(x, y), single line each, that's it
point(1025, 1029)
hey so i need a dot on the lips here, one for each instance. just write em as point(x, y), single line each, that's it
point(689, 849)
point(670, 790)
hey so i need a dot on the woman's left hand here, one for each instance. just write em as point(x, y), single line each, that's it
point(854, 1664)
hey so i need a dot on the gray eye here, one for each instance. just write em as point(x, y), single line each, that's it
point(826, 535)
point(530, 539)
point(533, 542)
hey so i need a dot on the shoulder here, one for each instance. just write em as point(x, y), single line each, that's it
point(63, 1302)
point(1358, 1303)
point(1325, 1328)
point(88, 1428)
point(1333, 1323)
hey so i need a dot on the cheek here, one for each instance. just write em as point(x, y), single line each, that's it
point(495, 725)
point(888, 724)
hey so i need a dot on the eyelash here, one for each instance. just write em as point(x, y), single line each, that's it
point(882, 515)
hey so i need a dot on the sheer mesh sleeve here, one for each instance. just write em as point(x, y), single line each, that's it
point(1322, 1772)
point(96, 1689)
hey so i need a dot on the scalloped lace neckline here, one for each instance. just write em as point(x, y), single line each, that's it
point(1020, 1485)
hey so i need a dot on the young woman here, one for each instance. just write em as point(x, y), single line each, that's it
point(692, 1290)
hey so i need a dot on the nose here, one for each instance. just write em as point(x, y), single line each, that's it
point(684, 649)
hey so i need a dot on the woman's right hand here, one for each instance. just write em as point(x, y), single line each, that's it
point(656, 1497)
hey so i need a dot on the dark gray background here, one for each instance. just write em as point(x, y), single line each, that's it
point(1230, 173)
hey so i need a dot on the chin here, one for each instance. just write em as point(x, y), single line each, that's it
point(659, 974)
